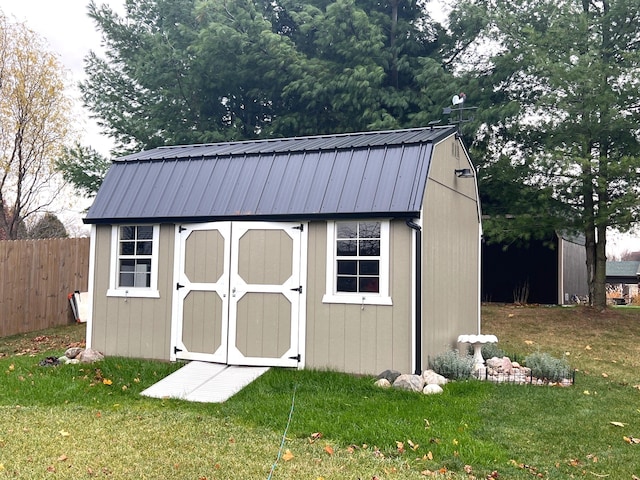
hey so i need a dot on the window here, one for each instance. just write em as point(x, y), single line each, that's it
point(134, 261)
point(358, 262)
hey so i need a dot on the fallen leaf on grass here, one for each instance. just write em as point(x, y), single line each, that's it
point(62, 458)
point(618, 424)
point(106, 381)
point(400, 447)
point(414, 446)
point(328, 449)
point(528, 342)
point(315, 436)
point(64, 433)
point(287, 455)
point(631, 440)
point(588, 347)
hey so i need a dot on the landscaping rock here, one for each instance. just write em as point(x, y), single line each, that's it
point(432, 389)
point(49, 362)
point(73, 352)
point(409, 382)
point(383, 383)
point(500, 365)
point(432, 378)
point(89, 356)
point(389, 375)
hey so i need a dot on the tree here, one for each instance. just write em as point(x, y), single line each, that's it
point(566, 74)
point(34, 119)
point(192, 72)
point(49, 226)
point(83, 167)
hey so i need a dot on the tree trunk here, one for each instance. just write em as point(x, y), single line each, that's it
point(600, 277)
point(590, 249)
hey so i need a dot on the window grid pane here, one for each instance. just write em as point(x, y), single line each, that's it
point(135, 251)
point(358, 257)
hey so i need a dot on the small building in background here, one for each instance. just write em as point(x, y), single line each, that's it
point(551, 271)
point(623, 281)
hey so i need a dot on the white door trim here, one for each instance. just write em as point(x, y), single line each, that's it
point(232, 232)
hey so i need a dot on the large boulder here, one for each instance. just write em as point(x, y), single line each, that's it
point(90, 355)
point(432, 378)
point(413, 383)
point(73, 352)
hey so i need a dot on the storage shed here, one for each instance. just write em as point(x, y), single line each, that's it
point(355, 252)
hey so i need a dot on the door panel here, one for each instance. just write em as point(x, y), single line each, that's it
point(202, 291)
point(265, 296)
point(238, 293)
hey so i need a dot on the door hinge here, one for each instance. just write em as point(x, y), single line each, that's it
point(181, 229)
point(178, 286)
point(299, 227)
point(176, 350)
point(297, 289)
point(295, 357)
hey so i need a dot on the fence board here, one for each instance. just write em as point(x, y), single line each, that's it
point(35, 278)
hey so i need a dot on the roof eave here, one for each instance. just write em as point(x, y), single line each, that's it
point(250, 218)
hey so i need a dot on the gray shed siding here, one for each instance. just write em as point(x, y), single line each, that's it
point(572, 271)
point(450, 253)
point(353, 338)
point(132, 327)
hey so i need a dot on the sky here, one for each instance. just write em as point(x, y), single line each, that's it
point(71, 34)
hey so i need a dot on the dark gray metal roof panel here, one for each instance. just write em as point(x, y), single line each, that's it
point(374, 173)
point(628, 268)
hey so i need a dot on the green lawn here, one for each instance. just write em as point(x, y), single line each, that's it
point(86, 421)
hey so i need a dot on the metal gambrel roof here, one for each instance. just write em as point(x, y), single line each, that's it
point(625, 271)
point(357, 174)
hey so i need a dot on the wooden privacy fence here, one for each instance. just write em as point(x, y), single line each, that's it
point(36, 277)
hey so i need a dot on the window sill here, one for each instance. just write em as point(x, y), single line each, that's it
point(358, 299)
point(133, 293)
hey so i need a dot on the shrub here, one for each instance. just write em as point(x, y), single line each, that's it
point(544, 366)
point(490, 350)
point(452, 365)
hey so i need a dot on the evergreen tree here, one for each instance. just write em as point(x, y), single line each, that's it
point(563, 80)
point(191, 72)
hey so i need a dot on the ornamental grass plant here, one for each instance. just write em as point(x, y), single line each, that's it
point(89, 421)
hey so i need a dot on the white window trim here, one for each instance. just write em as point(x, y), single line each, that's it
point(381, 298)
point(133, 292)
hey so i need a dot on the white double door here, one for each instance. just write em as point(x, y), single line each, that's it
point(238, 293)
